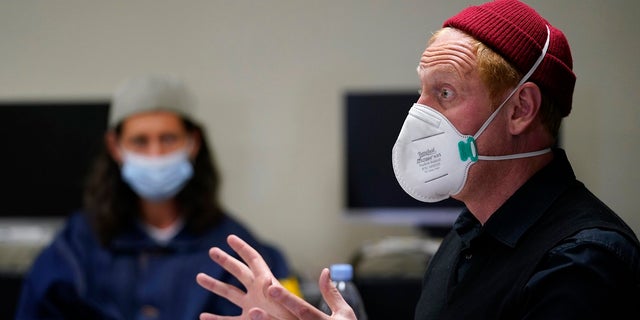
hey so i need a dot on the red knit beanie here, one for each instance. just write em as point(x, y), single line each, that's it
point(518, 33)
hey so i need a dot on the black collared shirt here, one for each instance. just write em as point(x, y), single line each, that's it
point(590, 274)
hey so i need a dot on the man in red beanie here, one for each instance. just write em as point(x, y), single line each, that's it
point(533, 243)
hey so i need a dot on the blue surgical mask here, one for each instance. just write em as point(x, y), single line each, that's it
point(156, 178)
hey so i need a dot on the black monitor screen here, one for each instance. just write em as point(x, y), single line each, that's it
point(372, 121)
point(47, 147)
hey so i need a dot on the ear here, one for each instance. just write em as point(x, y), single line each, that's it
point(111, 140)
point(525, 108)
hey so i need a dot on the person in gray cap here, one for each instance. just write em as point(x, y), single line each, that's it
point(151, 214)
point(533, 242)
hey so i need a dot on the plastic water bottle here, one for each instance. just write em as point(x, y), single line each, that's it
point(342, 278)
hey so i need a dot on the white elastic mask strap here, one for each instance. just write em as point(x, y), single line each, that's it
point(516, 156)
point(522, 81)
point(495, 113)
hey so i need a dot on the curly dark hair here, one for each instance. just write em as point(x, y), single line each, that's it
point(111, 205)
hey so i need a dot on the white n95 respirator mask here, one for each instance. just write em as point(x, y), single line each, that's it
point(431, 158)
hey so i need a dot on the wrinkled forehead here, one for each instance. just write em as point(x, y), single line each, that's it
point(450, 49)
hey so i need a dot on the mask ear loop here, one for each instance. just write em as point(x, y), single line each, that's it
point(522, 81)
point(495, 113)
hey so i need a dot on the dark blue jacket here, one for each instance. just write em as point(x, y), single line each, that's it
point(134, 278)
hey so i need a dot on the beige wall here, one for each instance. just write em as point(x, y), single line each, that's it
point(269, 76)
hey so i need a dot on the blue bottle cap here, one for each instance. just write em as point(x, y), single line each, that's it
point(341, 272)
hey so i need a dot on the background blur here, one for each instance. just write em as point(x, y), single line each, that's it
point(270, 78)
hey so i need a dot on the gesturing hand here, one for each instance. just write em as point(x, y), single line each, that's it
point(266, 298)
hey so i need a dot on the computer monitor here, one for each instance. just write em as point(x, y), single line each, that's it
point(372, 121)
point(47, 148)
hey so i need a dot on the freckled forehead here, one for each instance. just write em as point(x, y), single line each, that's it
point(450, 49)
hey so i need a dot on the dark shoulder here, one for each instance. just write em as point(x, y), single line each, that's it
point(77, 227)
point(595, 244)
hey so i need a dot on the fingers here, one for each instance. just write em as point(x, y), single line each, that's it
point(258, 314)
point(339, 307)
point(209, 316)
point(300, 308)
point(220, 288)
point(259, 273)
point(329, 292)
point(253, 259)
point(256, 277)
point(237, 268)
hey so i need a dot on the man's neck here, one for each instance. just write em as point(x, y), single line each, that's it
point(485, 194)
point(159, 214)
